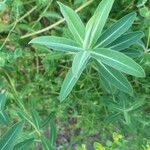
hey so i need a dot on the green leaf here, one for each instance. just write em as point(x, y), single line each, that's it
point(74, 73)
point(4, 119)
point(118, 61)
point(116, 30)
point(80, 62)
point(68, 84)
point(89, 28)
point(3, 6)
point(25, 145)
point(2, 101)
point(46, 144)
point(8, 140)
point(132, 53)
point(2, 61)
point(100, 16)
point(74, 22)
point(109, 88)
point(48, 119)
point(114, 77)
point(53, 133)
point(113, 117)
point(98, 146)
point(57, 43)
point(36, 118)
point(23, 115)
point(126, 40)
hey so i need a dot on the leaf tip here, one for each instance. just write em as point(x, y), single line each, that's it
point(32, 41)
point(59, 3)
point(61, 98)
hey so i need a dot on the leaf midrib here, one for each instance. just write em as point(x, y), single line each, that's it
point(104, 56)
point(124, 41)
point(93, 34)
point(113, 33)
point(114, 76)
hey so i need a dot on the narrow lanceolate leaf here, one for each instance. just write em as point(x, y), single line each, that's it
point(126, 41)
point(107, 86)
point(36, 118)
point(114, 77)
point(74, 22)
point(46, 144)
point(80, 62)
point(87, 38)
point(100, 16)
point(48, 119)
point(7, 141)
point(4, 119)
point(68, 84)
point(2, 101)
point(116, 30)
point(118, 61)
point(25, 145)
point(57, 43)
point(132, 53)
point(53, 133)
point(26, 117)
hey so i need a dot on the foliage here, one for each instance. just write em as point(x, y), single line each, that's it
point(108, 107)
point(90, 44)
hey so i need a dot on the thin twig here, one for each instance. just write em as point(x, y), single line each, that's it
point(57, 23)
point(14, 25)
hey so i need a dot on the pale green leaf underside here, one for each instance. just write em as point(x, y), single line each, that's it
point(69, 83)
point(100, 16)
point(57, 43)
point(126, 40)
point(79, 62)
point(114, 77)
point(116, 30)
point(74, 22)
point(7, 141)
point(118, 61)
point(89, 27)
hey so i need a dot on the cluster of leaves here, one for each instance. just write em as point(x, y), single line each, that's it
point(31, 77)
point(106, 48)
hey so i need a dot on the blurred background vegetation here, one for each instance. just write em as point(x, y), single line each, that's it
point(34, 75)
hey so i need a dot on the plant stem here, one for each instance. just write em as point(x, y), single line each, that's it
point(14, 25)
point(42, 14)
point(57, 23)
point(19, 103)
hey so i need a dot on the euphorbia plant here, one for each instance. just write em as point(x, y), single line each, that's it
point(104, 48)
